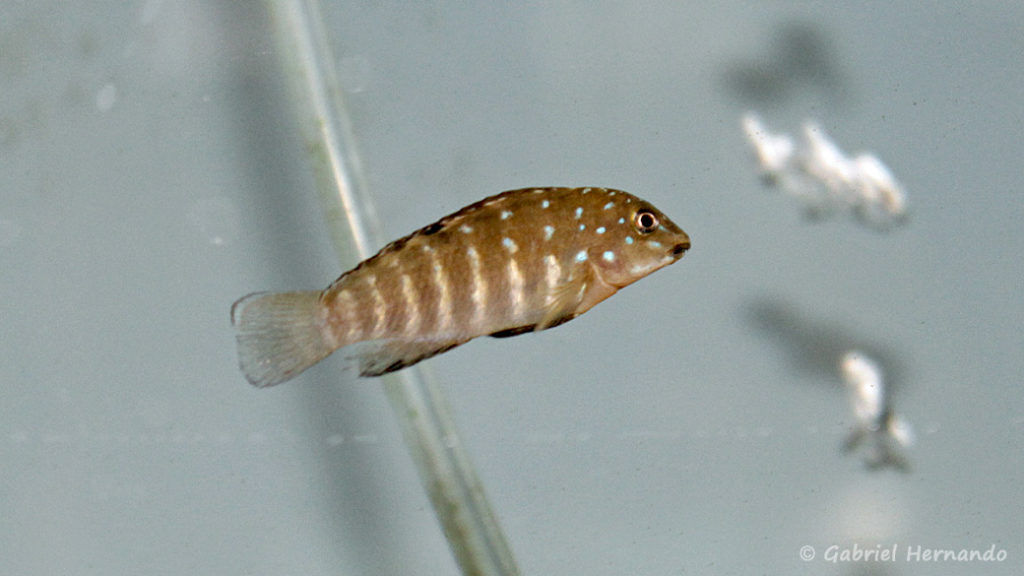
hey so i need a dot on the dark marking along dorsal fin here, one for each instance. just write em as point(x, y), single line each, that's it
point(436, 227)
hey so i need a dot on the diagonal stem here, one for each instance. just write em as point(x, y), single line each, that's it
point(429, 430)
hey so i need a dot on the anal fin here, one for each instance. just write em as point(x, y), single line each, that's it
point(509, 332)
point(379, 357)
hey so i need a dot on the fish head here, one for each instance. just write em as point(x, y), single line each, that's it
point(633, 239)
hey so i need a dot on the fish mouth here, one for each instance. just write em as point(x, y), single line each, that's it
point(680, 248)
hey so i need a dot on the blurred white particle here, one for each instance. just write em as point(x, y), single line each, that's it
point(823, 178)
point(106, 97)
point(876, 423)
point(774, 152)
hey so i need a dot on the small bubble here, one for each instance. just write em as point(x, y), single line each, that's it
point(10, 232)
point(150, 10)
point(56, 438)
point(106, 97)
point(354, 73)
point(216, 219)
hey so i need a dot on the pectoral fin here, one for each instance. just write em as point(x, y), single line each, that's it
point(565, 298)
point(577, 294)
point(596, 291)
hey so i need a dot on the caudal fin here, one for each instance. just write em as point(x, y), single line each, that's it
point(279, 335)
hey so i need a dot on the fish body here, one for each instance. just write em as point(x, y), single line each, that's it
point(520, 261)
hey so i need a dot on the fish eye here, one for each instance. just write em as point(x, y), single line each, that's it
point(645, 220)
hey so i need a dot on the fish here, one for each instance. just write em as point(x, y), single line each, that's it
point(516, 262)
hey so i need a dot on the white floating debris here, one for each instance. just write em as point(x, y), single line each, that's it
point(886, 432)
point(106, 97)
point(823, 178)
point(774, 152)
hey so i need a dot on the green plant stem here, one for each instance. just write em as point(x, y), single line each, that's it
point(472, 530)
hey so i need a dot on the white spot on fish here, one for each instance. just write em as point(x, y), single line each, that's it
point(585, 190)
point(465, 229)
point(600, 230)
point(609, 256)
point(654, 244)
point(629, 239)
point(581, 256)
point(505, 214)
point(622, 220)
point(609, 205)
point(641, 269)
point(545, 203)
point(548, 232)
point(583, 227)
point(579, 212)
point(509, 245)
point(611, 192)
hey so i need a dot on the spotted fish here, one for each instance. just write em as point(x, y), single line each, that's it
point(520, 261)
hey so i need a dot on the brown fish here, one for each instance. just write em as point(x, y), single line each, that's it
point(520, 261)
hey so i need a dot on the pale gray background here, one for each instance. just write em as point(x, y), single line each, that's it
point(151, 172)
